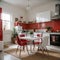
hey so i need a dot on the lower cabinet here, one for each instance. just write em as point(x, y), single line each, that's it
point(46, 39)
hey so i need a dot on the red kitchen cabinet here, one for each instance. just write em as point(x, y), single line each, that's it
point(1, 33)
point(33, 26)
point(24, 25)
point(57, 25)
point(20, 24)
point(50, 24)
point(30, 26)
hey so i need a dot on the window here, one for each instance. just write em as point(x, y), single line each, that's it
point(6, 19)
point(43, 16)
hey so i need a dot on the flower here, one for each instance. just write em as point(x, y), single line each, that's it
point(31, 32)
point(48, 28)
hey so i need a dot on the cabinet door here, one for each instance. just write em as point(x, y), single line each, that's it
point(24, 26)
point(57, 25)
point(1, 30)
point(0, 35)
point(0, 25)
point(34, 26)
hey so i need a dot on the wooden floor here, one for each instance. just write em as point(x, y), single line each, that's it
point(4, 56)
point(7, 56)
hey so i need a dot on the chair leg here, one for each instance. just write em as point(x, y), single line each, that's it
point(23, 47)
point(33, 47)
point(42, 49)
point(47, 51)
point(17, 49)
point(20, 52)
point(38, 47)
point(27, 49)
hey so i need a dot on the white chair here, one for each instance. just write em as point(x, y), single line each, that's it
point(45, 44)
point(37, 42)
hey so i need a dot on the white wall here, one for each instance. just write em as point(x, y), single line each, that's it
point(1, 45)
point(15, 11)
point(48, 6)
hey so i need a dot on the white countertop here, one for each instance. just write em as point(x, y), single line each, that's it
point(55, 33)
point(51, 32)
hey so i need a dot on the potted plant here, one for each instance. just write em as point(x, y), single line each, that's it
point(14, 34)
point(48, 29)
point(31, 33)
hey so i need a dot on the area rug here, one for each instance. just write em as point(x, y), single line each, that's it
point(34, 56)
point(13, 52)
point(39, 56)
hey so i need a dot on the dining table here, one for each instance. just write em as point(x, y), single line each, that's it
point(31, 39)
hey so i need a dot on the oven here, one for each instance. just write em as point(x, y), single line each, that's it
point(55, 39)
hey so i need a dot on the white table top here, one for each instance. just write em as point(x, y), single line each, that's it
point(30, 38)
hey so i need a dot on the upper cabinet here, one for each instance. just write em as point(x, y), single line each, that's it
point(33, 26)
point(30, 26)
point(43, 16)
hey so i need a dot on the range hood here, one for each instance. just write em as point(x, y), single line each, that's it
point(57, 12)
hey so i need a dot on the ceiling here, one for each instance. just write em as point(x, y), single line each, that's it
point(23, 3)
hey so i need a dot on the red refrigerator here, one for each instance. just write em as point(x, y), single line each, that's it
point(1, 32)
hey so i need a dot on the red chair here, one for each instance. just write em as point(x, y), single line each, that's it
point(37, 42)
point(21, 43)
point(24, 40)
point(23, 35)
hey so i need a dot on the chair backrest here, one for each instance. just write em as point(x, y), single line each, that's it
point(39, 35)
point(21, 41)
point(18, 40)
point(45, 41)
point(22, 35)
